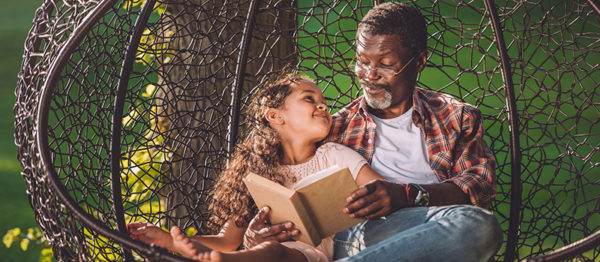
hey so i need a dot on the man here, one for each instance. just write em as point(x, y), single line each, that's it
point(430, 147)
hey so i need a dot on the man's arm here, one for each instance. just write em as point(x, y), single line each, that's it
point(380, 198)
point(473, 183)
point(474, 163)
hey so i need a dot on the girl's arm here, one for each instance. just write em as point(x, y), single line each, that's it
point(366, 174)
point(229, 238)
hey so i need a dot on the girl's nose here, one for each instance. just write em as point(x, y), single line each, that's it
point(322, 106)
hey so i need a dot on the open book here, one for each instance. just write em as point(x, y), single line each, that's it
point(314, 205)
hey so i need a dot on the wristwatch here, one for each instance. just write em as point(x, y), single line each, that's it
point(422, 198)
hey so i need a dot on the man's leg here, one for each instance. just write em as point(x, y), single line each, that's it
point(450, 233)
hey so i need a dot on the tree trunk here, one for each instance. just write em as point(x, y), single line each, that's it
point(194, 95)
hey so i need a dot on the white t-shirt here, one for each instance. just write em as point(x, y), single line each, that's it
point(401, 152)
point(326, 156)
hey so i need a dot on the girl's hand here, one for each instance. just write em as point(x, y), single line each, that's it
point(259, 231)
point(150, 234)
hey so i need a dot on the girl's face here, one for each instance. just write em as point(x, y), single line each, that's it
point(305, 112)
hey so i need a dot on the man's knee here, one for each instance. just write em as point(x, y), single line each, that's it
point(483, 230)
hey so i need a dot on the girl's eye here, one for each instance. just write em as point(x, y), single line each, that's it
point(309, 98)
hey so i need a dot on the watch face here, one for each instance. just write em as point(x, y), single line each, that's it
point(422, 198)
point(424, 201)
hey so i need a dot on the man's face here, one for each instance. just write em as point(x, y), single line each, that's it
point(386, 70)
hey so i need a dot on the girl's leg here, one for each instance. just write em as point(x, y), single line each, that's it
point(184, 245)
point(268, 251)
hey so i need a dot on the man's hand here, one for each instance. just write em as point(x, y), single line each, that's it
point(260, 231)
point(376, 199)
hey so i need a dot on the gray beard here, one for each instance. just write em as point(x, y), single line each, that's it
point(379, 103)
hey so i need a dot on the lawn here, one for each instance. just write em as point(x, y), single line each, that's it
point(15, 20)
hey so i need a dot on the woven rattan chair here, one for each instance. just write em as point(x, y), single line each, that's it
point(127, 111)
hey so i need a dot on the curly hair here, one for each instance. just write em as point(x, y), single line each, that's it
point(260, 153)
point(397, 19)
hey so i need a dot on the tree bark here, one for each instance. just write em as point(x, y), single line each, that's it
point(195, 86)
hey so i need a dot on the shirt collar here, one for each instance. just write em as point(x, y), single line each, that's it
point(419, 107)
point(362, 105)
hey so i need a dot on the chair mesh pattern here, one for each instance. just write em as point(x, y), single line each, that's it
point(127, 111)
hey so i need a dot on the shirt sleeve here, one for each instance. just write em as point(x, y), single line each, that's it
point(474, 164)
point(344, 156)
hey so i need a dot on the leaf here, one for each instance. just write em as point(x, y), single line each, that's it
point(30, 233)
point(191, 231)
point(46, 255)
point(149, 91)
point(128, 119)
point(160, 7)
point(25, 244)
point(10, 236)
point(132, 3)
point(8, 240)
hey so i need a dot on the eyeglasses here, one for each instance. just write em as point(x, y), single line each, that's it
point(382, 71)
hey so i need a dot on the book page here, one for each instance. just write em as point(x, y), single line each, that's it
point(316, 176)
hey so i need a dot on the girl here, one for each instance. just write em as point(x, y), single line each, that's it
point(287, 118)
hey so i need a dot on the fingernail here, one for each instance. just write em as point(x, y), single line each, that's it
point(288, 225)
point(346, 210)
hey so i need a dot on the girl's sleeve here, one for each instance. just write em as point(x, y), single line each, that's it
point(344, 156)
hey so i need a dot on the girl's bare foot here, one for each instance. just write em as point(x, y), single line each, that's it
point(185, 246)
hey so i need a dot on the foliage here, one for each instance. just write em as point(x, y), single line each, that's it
point(141, 163)
point(32, 237)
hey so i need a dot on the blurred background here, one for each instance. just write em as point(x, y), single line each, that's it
point(16, 20)
point(16, 17)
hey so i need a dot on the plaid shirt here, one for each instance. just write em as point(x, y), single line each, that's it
point(453, 133)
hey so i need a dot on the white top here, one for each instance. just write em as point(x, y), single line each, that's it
point(327, 155)
point(401, 152)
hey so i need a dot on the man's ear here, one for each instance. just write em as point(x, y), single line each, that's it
point(274, 116)
point(421, 60)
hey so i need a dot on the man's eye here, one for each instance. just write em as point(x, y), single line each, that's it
point(387, 64)
point(309, 98)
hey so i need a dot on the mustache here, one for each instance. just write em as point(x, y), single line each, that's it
point(374, 85)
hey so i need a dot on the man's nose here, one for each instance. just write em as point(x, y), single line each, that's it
point(371, 73)
point(322, 106)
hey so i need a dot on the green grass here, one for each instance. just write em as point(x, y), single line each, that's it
point(15, 20)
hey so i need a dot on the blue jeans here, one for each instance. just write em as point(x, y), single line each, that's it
point(448, 233)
